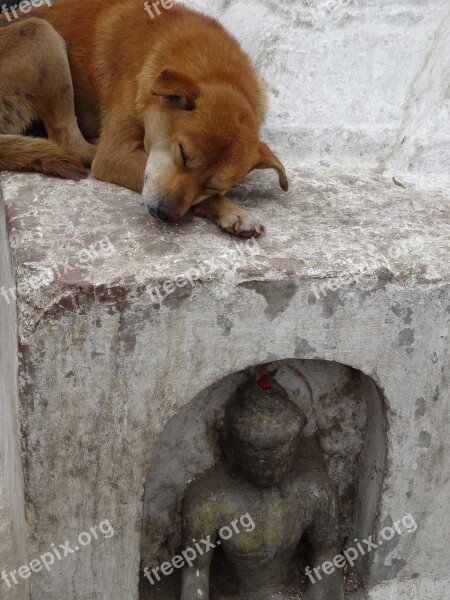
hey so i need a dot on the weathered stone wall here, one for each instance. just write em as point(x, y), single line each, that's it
point(355, 272)
point(13, 547)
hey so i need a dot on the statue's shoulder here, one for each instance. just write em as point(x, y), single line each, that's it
point(205, 502)
point(313, 479)
point(208, 487)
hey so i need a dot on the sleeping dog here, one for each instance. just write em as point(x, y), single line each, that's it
point(174, 102)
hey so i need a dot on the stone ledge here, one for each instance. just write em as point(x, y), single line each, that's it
point(358, 229)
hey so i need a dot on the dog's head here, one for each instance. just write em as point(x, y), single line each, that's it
point(201, 139)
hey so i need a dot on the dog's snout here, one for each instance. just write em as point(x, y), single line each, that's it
point(164, 212)
point(167, 213)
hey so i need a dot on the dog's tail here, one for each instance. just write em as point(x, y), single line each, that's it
point(21, 153)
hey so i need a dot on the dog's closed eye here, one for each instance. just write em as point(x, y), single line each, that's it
point(183, 155)
point(209, 189)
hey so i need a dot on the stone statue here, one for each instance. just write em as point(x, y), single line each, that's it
point(284, 496)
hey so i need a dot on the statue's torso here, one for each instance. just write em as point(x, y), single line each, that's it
point(281, 515)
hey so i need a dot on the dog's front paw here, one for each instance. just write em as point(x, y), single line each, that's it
point(242, 223)
point(65, 167)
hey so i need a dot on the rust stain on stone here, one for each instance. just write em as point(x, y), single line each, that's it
point(277, 294)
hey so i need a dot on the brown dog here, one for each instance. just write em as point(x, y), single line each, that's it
point(175, 101)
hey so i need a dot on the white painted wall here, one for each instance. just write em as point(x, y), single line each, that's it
point(365, 82)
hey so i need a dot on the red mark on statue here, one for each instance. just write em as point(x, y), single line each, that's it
point(264, 383)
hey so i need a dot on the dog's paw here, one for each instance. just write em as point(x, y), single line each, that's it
point(242, 223)
point(65, 167)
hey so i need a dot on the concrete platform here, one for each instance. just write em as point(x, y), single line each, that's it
point(353, 270)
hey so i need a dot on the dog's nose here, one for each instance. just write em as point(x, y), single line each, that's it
point(167, 214)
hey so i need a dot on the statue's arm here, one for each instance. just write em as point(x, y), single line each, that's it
point(326, 580)
point(198, 525)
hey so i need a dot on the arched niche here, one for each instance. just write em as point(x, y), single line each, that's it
point(345, 415)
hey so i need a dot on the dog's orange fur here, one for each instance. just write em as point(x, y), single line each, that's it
point(176, 91)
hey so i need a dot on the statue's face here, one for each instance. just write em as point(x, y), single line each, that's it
point(264, 465)
point(262, 432)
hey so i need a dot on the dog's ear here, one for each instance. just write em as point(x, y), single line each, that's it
point(268, 160)
point(176, 90)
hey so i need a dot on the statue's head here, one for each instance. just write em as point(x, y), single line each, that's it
point(262, 428)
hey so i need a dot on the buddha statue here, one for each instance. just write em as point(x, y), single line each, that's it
point(263, 479)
